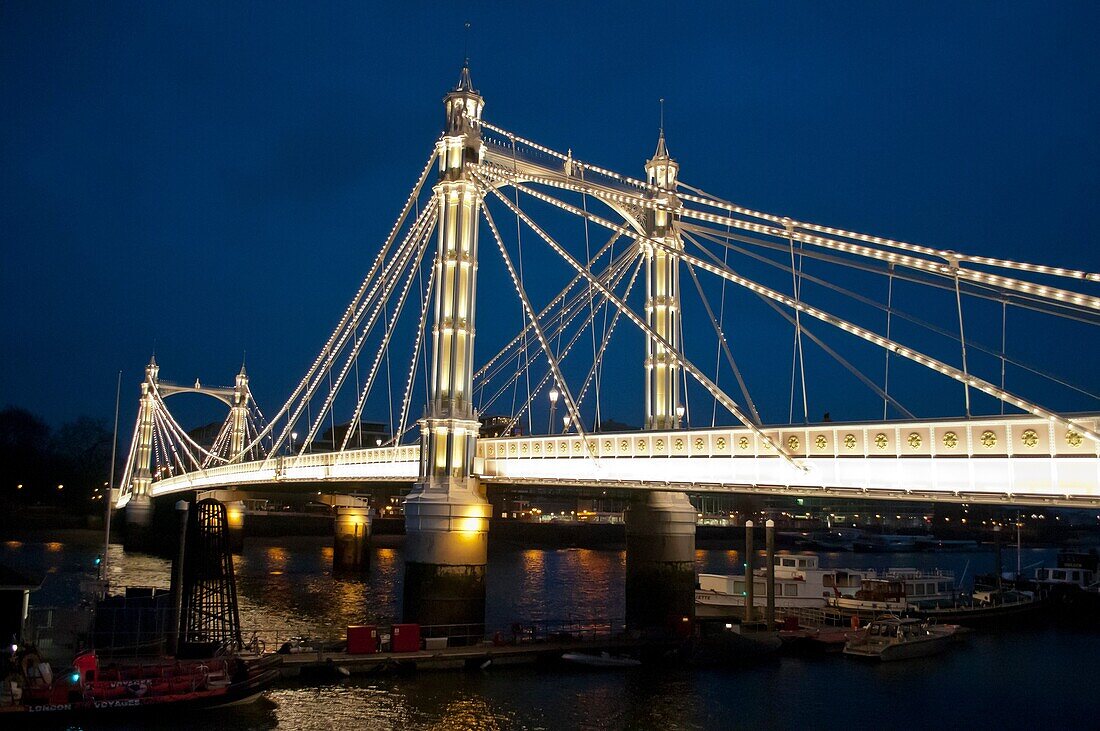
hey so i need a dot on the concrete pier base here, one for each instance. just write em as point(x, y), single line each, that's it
point(139, 524)
point(351, 541)
point(446, 549)
point(234, 515)
point(660, 562)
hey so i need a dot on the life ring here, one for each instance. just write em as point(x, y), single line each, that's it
point(855, 621)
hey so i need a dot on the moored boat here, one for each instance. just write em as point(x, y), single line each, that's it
point(893, 638)
point(985, 607)
point(800, 582)
point(603, 660)
point(161, 683)
point(898, 591)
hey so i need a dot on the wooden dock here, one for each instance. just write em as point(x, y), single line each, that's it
point(449, 658)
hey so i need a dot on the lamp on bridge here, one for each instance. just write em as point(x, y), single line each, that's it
point(565, 420)
point(679, 414)
point(553, 407)
point(293, 437)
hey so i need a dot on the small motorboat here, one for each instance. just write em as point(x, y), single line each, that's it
point(603, 660)
point(893, 638)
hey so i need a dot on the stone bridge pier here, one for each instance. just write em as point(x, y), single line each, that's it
point(660, 562)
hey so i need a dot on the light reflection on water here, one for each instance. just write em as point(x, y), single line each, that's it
point(287, 587)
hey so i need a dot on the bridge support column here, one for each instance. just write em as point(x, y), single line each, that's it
point(234, 515)
point(446, 550)
point(139, 521)
point(660, 562)
point(351, 541)
point(446, 514)
point(234, 519)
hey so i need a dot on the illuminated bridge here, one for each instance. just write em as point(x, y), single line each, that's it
point(647, 263)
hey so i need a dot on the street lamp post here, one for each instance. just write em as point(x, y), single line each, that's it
point(553, 407)
point(293, 437)
point(565, 420)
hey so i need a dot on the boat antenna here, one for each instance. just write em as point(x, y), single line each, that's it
point(110, 497)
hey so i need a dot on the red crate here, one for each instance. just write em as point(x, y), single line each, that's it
point(362, 639)
point(406, 638)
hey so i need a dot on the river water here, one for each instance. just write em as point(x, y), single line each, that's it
point(1044, 674)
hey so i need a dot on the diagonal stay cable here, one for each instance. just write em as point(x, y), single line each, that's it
point(723, 344)
point(518, 284)
point(893, 311)
point(828, 350)
point(860, 332)
point(728, 403)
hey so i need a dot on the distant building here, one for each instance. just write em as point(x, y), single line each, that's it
point(371, 434)
point(612, 425)
point(205, 435)
point(498, 426)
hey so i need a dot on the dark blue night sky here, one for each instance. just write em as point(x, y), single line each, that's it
point(216, 177)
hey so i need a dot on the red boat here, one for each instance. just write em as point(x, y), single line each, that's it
point(138, 684)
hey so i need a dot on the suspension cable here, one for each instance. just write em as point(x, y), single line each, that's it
point(889, 313)
point(893, 311)
point(820, 343)
point(727, 402)
point(723, 346)
point(517, 282)
point(962, 344)
point(817, 313)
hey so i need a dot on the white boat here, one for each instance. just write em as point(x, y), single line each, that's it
point(898, 591)
point(603, 660)
point(799, 582)
point(893, 638)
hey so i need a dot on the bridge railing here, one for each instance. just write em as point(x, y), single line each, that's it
point(1000, 436)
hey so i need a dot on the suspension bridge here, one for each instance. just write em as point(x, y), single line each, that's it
point(622, 247)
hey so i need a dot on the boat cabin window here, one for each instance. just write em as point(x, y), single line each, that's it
point(1058, 575)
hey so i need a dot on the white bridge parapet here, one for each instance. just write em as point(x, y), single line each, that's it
point(1009, 459)
point(379, 464)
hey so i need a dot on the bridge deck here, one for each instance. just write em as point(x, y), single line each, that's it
point(1011, 459)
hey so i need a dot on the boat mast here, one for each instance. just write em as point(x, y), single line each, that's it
point(110, 498)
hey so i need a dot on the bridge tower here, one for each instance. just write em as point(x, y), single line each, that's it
point(239, 415)
point(660, 526)
point(446, 514)
point(662, 305)
point(139, 511)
